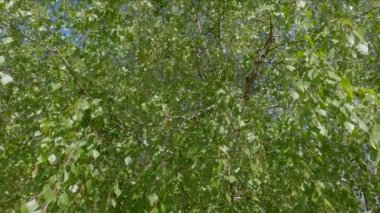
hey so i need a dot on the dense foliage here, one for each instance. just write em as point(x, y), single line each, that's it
point(191, 106)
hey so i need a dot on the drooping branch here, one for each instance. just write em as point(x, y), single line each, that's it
point(82, 89)
point(53, 50)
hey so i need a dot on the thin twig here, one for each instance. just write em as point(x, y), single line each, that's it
point(29, 38)
point(366, 12)
point(196, 115)
point(283, 44)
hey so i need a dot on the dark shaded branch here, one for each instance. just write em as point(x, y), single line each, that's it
point(258, 62)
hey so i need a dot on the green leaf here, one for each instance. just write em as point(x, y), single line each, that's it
point(56, 86)
point(290, 68)
point(155, 210)
point(322, 130)
point(48, 194)
point(375, 136)
point(349, 127)
point(128, 160)
point(7, 40)
point(228, 197)
point(153, 198)
point(83, 104)
point(113, 203)
point(30, 206)
point(5, 78)
point(117, 190)
point(346, 85)
point(300, 54)
point(231, 179)
point(294, 95)
point(2, 59)
point(95, 154)
point(359, 35)
point(363, 126)
point(310, 40)
point(322, 112)
point(302, 85)
point(333, 75)
point(224, 149)
point(64, 199)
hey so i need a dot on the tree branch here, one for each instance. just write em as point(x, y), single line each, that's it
point(366, 12)
point(258, 62)
point(196, 115)
point(199, 30)
point(71, 72)
point(55, 51)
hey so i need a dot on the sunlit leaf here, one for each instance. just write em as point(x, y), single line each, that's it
point(231, 179)
point(7, 40)
point(117, 190)
point(64, 199)
point(48, 194)
point(128, 160)
point(29, 207)
point(290, 68)
point(52, 159)
point(153, 198)
point(95, 153)
point(345, 83)
point(349, 126)
point(375, 136)
point(73, 188)
point(5, 78)
point(362, 48)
